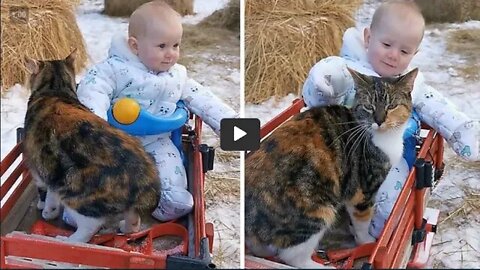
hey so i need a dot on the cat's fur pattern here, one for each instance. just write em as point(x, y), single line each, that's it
point(315, 163)
point(95, 170)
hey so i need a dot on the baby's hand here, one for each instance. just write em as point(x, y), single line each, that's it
point(323, 84)
point(330, 77)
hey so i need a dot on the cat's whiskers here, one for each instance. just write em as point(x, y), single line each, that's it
point(346, 123)
point(358, 140)
point(351, 134)
point(344, 133)
point(366, 141)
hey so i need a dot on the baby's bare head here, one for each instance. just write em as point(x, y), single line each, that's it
point(153, 16)
point(399, 12)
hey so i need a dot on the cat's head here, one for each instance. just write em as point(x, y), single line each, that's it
point(47, 71)
point(383, 103)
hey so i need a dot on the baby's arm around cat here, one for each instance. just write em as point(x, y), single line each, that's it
point(327, 82)
point(96, 89)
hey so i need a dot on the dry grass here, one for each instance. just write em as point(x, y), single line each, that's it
point(124, 8)
point(466, 42)
point(283, 39)
point(42, 30)
point(215, 41)
point(226, 156)
point(222, 186)
point(469, 207)
point(184, 7)
point(228, 17)
point(449, 10)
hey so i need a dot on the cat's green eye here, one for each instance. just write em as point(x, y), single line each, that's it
point(391, 107)
point(368, 107)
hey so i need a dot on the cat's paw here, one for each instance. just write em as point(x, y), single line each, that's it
point(364, 238)
point(62, 238)
point(40, 205)
point(121, 226)
point(74, 238)
point(49, 213)
point(131, 229)
point(311, 264)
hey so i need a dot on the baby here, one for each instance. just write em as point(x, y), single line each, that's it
point(386, 50)
point(144, 67)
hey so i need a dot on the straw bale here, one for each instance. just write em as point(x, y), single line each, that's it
point(43, 30)
point(449, 10)
point(283, 39)
point(227, 17)
point(124, 8)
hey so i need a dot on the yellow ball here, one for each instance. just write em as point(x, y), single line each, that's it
point(126, 111)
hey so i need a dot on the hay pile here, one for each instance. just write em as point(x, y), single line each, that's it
point(449, 10)
point(227, 17)
point(124, 8)
point(44, 30)
point(283, 39)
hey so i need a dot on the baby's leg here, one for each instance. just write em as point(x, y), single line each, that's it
point(51, 209)
point(300, 256)
point(387, 196)
point(86, 227)
point(175, 200)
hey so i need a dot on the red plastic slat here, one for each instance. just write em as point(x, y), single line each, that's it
point(12, 178)
point(10, 158)
point(7, 206)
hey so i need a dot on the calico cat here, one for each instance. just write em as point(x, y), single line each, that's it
point(320, 160)
point(95, 171)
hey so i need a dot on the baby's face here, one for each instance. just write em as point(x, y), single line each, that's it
point(392, 45)
point(159, 48)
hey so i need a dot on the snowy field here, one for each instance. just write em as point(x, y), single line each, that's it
point(457, 196)
point(213, 68)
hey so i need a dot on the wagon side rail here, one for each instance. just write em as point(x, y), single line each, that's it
point(408, 225)
point(16, 181)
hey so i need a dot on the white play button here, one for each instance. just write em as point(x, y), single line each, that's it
point(238, 134)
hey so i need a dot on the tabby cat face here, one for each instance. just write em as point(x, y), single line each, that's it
point(383, 103)
point(45, 71)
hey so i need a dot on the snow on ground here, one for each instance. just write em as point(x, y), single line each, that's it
point(457, 242)
point(97, 30)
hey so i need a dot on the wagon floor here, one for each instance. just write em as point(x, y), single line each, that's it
point(32, 215)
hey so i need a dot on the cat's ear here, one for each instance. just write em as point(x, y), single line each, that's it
point(359, 78)
point(33, 66)
point(70, 59)
point(408, 79)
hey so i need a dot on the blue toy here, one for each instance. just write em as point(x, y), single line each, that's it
point(144, 123)
point(149, 124)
